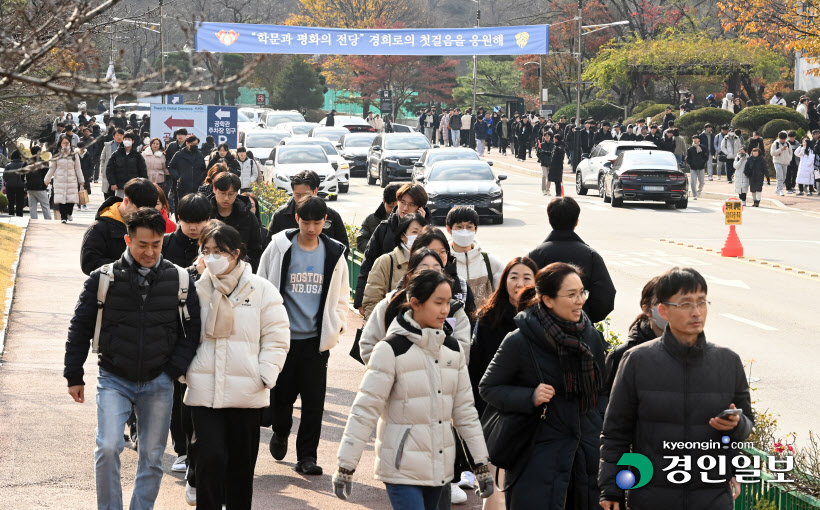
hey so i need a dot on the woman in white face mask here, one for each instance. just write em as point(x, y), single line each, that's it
point(647, 326)
point(390, 268)
point(66, 172)
point(243, 345)
point(155, 164)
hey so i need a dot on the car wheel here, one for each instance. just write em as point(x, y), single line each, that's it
point(333, 198)
point(370, 179)
point(616, 202)
point(383, 182)
point(683, 203)
point(602, 187)
point(579, 184)
point(500, 219)
point(344, 188)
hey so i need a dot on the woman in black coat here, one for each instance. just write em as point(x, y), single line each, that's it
point(557, 164)
point(544, 149)
point(523, 133)
point(560, 469)
point(756, 172)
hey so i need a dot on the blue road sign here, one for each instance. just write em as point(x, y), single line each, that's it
point(222, 125)
point(174, 99)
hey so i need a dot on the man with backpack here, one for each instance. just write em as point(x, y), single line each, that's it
point(145, 332)
point(481, 270)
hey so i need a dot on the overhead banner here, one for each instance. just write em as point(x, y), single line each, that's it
point(245, 38)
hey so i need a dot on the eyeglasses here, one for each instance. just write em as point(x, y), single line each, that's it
point(688, 306)
point(577, 296)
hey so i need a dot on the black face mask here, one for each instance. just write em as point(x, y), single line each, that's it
point(192, 148)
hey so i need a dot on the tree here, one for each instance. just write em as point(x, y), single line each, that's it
point(297, 86)
point(494, 76)
point(353, 13)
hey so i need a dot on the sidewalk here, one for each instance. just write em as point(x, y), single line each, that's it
point(718, 190)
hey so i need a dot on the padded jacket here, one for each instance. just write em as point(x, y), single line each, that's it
point(379, 281)
point(104, 241)
point(237, 370)
point(416, 384)
point(67, 174)
point(123, 167)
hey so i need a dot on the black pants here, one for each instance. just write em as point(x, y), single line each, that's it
point(305, 375)
point(178, 438)
point(730, 171)
point(522, 150)
point(17, 199)
point(791, 176)
point(107, 195)
point(96, 170)
point(65, 210)
point(226, 442)
point(515, 146)
point(504, 142)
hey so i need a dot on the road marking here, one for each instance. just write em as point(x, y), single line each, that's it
point(512, 208)
point(748, 322)
point(517, 202)
point(528, 192)
point(740, 284)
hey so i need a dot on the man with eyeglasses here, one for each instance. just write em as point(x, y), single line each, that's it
point(677, 389)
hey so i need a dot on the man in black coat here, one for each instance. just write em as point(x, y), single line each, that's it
point(178, 144)
point(330, 120)
point(603, 134)
point(181, 247)
point(381, 213)
point(655, 136)
point(125, 164)
point(104, 241)
point(707, 141)
point(234, 209)
point(306, 184)
point(564, 245)
point(149, 336)
point(187, 167)
point(671, 390)
point(587, 138)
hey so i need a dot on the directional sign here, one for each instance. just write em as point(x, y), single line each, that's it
point(199, 120)
point(386, 101)
point(174, 99)
point(733, 210)
point(222, 125)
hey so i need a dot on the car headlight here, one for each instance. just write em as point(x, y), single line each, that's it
point(391, 160)
point(496, 194)
point(282, 178)
point(431, 197)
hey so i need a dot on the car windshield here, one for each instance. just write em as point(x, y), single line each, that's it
point(301, 154)
point(448, 156)
point(263, 139)
point(406, 143)
point(251, 116)
point(279, 118)
point(241, 117)
point(461, 173)
point(640, 158)
point(359, 141)
point(302, 128)
point(621, 150)
point(330, 150)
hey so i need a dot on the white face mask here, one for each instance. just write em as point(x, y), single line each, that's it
point(463, 238)
point(216, 264)
point(127, 143)
point(656, 316)
point(410, 241)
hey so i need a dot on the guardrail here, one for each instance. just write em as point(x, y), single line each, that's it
point(265, 211)
point(765, 496)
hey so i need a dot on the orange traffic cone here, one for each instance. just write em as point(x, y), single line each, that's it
point(562, 188)
point(732, 246)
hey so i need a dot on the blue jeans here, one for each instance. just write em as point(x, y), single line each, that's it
point(413, 497)
point(152, 401)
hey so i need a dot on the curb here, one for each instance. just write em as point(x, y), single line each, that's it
point(769, 203)
point(10, 294)
point(566, 176)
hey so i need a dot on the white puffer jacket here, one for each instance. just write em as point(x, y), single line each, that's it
point(416, 384)
point(67, 174)
point(805, 172)
point(238, 371)
point(741, 181)
point(781, 152)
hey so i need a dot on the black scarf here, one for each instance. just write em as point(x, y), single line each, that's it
point(581, 374)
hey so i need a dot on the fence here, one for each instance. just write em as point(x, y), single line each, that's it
point(765, 496)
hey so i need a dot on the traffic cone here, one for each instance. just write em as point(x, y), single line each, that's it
point(562, 188)
point(732, 246)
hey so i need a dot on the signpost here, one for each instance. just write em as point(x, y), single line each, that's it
point(386, 102)
point(547, 109)
point(261, 99)
point(733, 215)
point(175, 99)
point(199, 120)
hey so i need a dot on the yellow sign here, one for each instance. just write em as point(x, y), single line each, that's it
point(734, 212)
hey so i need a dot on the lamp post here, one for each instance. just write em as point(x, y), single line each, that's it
point(475, 57)
point(162, 49)
point(540, 82)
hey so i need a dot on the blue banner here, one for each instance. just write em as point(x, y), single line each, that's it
point(245, 38)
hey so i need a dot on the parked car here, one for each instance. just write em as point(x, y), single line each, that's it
point(273, 118)
point(254, 114)
point(401, 128)
point(334, 134)
point(260, 142)
point(245, 122)
point(296, 128)
point(591, 170)
point(354, 147)
point(339, 163)
point(286, 161)
point(354, 124)
point(392, 157)
point(467, 183)
point(435, 155)
point(651, 175)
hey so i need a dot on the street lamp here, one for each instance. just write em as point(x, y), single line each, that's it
point(540, 82)
point(475, 57)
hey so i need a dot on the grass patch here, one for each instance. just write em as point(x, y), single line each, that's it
point(9, 242)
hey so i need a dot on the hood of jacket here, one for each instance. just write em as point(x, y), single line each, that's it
point(110, 210)
point(426, 338)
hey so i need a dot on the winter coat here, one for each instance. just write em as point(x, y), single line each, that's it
point(243, 220)
point(455, 121)
point(189, 169)
point(727, 103)
point(472, 267)
point(697, 159)
point(416, 389)
point(805, 172)
point(330, 120)
point(665, 391)
point(180, 249)
point(756, 144)
point(669, 144)
point(155, 165)
point(369, 226)
point(335, 287)
point(122, 167)
point(566, 449)
point(707, 141)
point(557, 162)
point(481, 129)
point(104, 241)
point(640, 332)
point(249, 172)
point(566, 246)
point(105, 154)
point(680, 146)
point(781, 152)
point(524, 133)
point(379, 281)
point(12, 177)
point(544, 152)
point(485, 343)
point(237, 371)
point(140, 338)
point(756, 168)
point(35, 180)
point(667, 118)
point(741, 179)
point(284, 218)
point(229, 160)
point(67, 174)
point(375, 328)
point(602, 135)
point(731, 145)
point(381, 242)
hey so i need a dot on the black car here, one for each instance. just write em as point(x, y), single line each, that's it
point(646, 176)
point(437, 154)
point(469, 183)
point(392, 155)
point(354, 147)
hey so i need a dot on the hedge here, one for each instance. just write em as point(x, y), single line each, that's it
point(773, 127)
point(600, 110)
point(794, 95)
point(569, 111)
point(814, 95)
point(4, 202)
point(655, 109)
point(692, 123)
point(754, 118)
point(640, 107)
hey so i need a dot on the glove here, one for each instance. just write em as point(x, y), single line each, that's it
point(486, 485)
point(343, 482)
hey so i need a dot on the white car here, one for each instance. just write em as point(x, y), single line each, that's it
point(260, 142)
point(273, 118)
point(353, 124)
point(339, 163)
point(287, 161)
point(254, 114)
point(245, 122)
point(296, 128)
point(334, 134)
point(590, 171)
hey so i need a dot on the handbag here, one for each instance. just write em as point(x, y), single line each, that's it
point(721, 156)
point(511, 436)
point(83, 194)
point(816, 174)
point(355, 353)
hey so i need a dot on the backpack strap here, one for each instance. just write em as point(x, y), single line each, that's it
point(184, 281)
point(106, 277)
point(390, 279)
point(489, 270)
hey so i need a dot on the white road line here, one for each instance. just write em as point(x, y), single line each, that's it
point(748, 322)
point(770, 211)
point(527, 192)
point(517, 202)
point(512, 208)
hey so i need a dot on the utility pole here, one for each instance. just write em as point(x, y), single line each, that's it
point(576, 153)
point(162, 48)
point(540, 83)
point(475, 57)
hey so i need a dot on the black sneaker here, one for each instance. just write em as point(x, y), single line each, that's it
point(278, 446)
point(308, 467)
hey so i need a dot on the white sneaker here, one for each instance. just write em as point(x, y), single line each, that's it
point(457, 496)
point(190, 494)
point(179, 465)
point(70, 218)
point(467, 480)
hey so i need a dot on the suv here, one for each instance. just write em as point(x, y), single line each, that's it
point(392, 157)
point(339, 163)
point(288, 160)
point(590, 172)
point(272, 118)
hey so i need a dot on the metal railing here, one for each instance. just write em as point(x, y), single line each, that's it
point(764, 495)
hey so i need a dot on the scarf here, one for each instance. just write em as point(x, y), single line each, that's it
point(145, 275)
point(581, 374)
point(220, 311)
